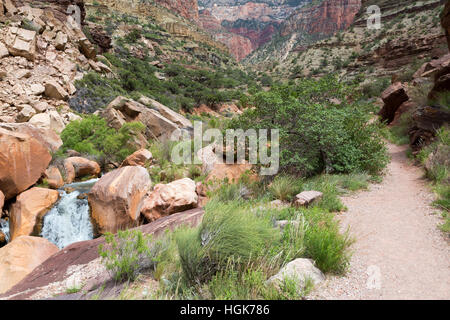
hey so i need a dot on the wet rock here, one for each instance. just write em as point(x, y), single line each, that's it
point(78, 167)
point(28, 212)
point(54, 177)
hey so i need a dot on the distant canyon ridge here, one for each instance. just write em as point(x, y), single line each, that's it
point(244, 26)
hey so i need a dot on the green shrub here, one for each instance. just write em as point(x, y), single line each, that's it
point(285, 187)
point(130, 252)
point(325, 244)
point(316, 135)
point(92, 136)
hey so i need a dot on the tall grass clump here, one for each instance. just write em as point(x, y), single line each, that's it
point(129, 252)
point(285, 187)
point(228, 234)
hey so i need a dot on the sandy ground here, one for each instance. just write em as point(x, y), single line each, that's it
point(399, 251)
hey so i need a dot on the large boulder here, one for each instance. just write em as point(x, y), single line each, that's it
point(166, 199)
point(168, 113)
point(28, 212)
point(47, 137)
point(53, 90)
point(392, 97)
point(19, 257)
point(50, 120)
point(299, 270)
point(21, 42)
point(77, 167)
point(122, 110)
point(141, 157)
point(23, 160)
point(116, 199)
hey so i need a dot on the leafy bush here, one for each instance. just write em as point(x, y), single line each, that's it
point(92, 136)
point(130, 252)
point(317, 135)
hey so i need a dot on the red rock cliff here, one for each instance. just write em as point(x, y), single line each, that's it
point(186, 8)
point(326, 18)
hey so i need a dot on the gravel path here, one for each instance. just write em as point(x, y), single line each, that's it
point(399, 251)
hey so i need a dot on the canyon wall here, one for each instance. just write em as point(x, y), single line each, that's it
point(324, 19)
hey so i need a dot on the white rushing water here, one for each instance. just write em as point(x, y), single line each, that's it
point(4, 227)
point(69, 220)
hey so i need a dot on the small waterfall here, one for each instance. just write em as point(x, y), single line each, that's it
point(69, 220)
point(4, 227)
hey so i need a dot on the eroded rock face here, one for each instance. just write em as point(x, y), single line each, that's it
point(19, 257)
point(28, 211)
point(23, 160)
point(139, 158)
point(446, 21)
point(116, 199)
point(77, 167)
point(166, 199)
point(392, 97)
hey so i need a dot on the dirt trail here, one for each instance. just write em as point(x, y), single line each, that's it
point(399, 251)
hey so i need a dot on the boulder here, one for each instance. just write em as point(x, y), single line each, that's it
point(87, 48)
point(61, 41)
point(54, 177)
point(9, 7)
point(166, 199)
point(26, 113)
point(28, 212)
point(168, 113)
point(126, 110)
point(54, 91)
point(392, 97)
point(116, 199)
point(408, 106)
point(23, 160)
point(231, 172)
point(141, 157)
point(21, 42)
point(77, 167)
point(299, 270)
point(46, 137)
point(19, 257)
point(51, 120)
point(307, 197)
